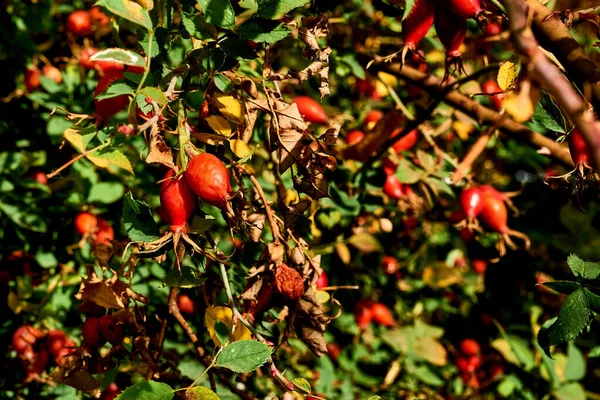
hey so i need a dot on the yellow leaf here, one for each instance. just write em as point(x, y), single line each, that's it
point(507, 74)
point(200, 393)
point(230, 107)
point(343, 253)
point(322, 296)
point(441, 276)
point(104, 159)
point(219, 125)
point(225, 315)
point(430, 350)
point(462, 129)
point(14, 303)
point(518, 105)
point(365, 242)
point(389, 79)
point(75, 139)
point(240, 148)
point(381, 89)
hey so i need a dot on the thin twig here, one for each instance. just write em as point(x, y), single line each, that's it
point(174, 311)
point(274, 227)
point(472, 155)
point(79, 157)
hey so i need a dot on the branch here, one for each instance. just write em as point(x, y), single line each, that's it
point(547, 75)
point(566, 49)
point(481, 113)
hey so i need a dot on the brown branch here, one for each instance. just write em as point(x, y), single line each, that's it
point(545, 73)
point(483, 114)
point(472, 155)
point(582, 70)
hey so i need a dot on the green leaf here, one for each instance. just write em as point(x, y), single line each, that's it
point(222, 331)
point(219, 13)
point(186, 278)
point(197, 27)
point(238, 49)
point(365, 242)
point(50, 86)
point(564, 287)
point(573, 317)
point(408, 8)
point(509, 385)
point(200, 393)
point(148, 391)
point(106, 192)
point(584, 269)
point(575, 369)
point(121, 56)
point(155, 94)
point(302, 384)
point(244, 356)
point(374, 398)
point(570, 391)
point(261, 30)
point(129, 10)
point(118, 88)
point(80, 138)
point(408, 173)
point(594, 300)
point(594, 353)
point(138, 221)
point(276, 9)
point(46, 259)
point(549, 115)
point(23, 217)
point(223, 83)
point(110, 157)
point(427, 376)
point(350, 60)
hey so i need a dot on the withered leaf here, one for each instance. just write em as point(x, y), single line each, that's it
point(80, 380)
point(287, 134)
point(100, 293)
point(159, 152)
point(294, 212)
point(257, 224)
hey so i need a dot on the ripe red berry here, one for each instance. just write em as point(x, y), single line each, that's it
point(490, 191)
point(580, 153)
point(106, 108)
point(363, 314)
point(479, 266)
point(24, 338)
point(468, 364)
point(390, 264)
point(39, 176)
point(368, 88)
point(354, 137)
point(471, 202)
point(31, 78)
point(310, 109)
point(407, 141)
point(373, 116)
point(492, 28)
point(186, 304)
point(79, 23)
point(38, 363)
point(465, 8)
point(84, 57)
point(91, 334)
point(111, 392)
point(469, 347)
point(177, 199)
point(334, 350)
point(494, 214)
point(85, 223)
point(55, 341)
point(382, 314)
point(60, 358)
point(322, 281)
point(393, 187)
point(105, 233)
point(208, 177)
point(52, 72)
point(98, 16)
point(110, 330)
point(491, 86)
point(416, 25)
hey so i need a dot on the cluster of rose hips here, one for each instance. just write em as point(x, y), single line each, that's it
point(95, 228)
point(367, 311)
point(34, 348)
point(472, 366)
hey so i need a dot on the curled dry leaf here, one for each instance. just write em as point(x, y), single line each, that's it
point(257, 224)
point(287, 133)
point(158, 151)
point(109, 293)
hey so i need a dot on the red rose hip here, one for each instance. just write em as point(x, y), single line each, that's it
point(177, 199)
point(208, 177)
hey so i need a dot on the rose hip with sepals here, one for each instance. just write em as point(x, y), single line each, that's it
point(465, 8)
point(471, 202)
point(177, 199)
point(452, 31)
point(310, 109)
point(495, 216)
point(208, 177)
point(416, 25)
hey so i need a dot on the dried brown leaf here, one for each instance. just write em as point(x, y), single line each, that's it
point(159, 152)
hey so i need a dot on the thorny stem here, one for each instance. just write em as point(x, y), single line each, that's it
point(79, 157)
point(274, 371)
